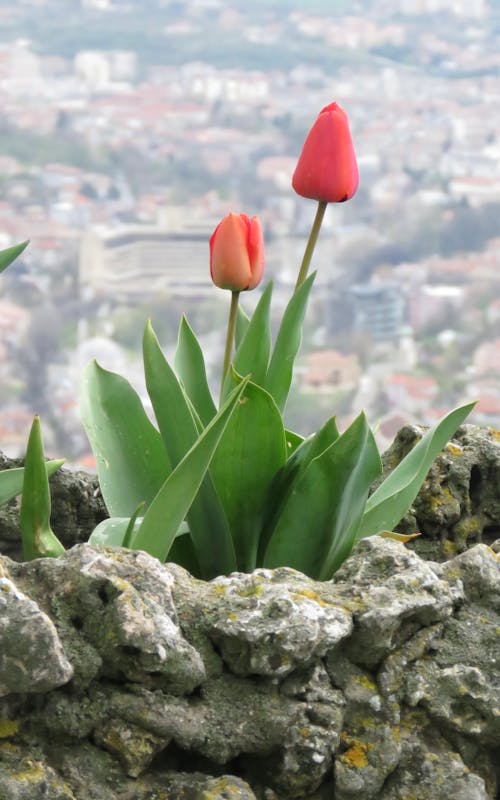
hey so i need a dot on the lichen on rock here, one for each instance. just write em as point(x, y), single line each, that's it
point(133, 681)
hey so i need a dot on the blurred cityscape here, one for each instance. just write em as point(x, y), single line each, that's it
point(129, 128)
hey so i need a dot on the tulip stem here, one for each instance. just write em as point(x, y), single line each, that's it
point(311, 243)
point(231, 328)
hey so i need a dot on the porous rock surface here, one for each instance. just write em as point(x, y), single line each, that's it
point(458, 504)
point(130, 680)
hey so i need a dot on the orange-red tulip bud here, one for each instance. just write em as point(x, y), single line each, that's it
point(237, 253)
point(327, 169)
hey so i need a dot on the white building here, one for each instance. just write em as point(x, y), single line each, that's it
point(140, 260)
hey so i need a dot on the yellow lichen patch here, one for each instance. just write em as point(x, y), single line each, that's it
point(305, 732)
point(221, 785)
point(454, 449)
point(445, 495)
point(469, 526)
point(355, 756)
point(252, 590)
point(396, 733)
point(449, 548)
point(494, 433)
point(32, 774)
point(366, 682)
point(308, 594)
point(219, 589)
point(8, 727)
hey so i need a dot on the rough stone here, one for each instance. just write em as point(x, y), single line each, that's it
point(382, 684)
point(104, 611)
point(459, 502)
point(32, 658)
point(429, 768)
point(264, 626)
point(392, 593)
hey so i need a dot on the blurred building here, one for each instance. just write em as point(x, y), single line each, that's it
point(139, 260)
point(379, 310)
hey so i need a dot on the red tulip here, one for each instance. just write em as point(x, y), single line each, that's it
point(327, 170)
point(237, 253)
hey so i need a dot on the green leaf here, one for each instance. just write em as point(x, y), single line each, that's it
point(170, 506)
point(183, 553)
point(172, 412)
point(293, 440)
point(112, 532)
point(39, 540)
point(252, 354)
point(180, 432)
point(190, 365)
point(9, 255)
point(132, 462)
point(391, 500)
point(315, 445)
point(242, 323)
point(317, 527)
point(283, 484)
point(250, 454)
point(279, 375)
point(131, 527)
point(11, 480)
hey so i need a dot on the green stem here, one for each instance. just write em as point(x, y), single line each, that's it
point(311, 243)
point(231, 327)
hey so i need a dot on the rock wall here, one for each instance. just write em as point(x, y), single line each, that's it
point(125, 679)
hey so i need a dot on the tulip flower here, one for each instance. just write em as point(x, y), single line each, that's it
point(236, 263)
point(237, 253)
point(327, 168)
point(326, 171)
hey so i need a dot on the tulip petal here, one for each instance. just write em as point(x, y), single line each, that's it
point(229, 260)
point(255, 244)
point(327, 169)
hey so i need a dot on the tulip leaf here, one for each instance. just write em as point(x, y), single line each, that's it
point(179, 431)
point(317, 526)
point(132, 462)
point(251, 452)
point(190, 365)
point(9, 255)
point(279, 374)
point(391, 500)
point(183, 553)
point(242, 323)
point(11, 480)
point(39, 540)
point(283, 484)
point(162, 519)
point(252, 355)
point(293, 440)
point(172, 411)
point(111, 532)
point(132, 524)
